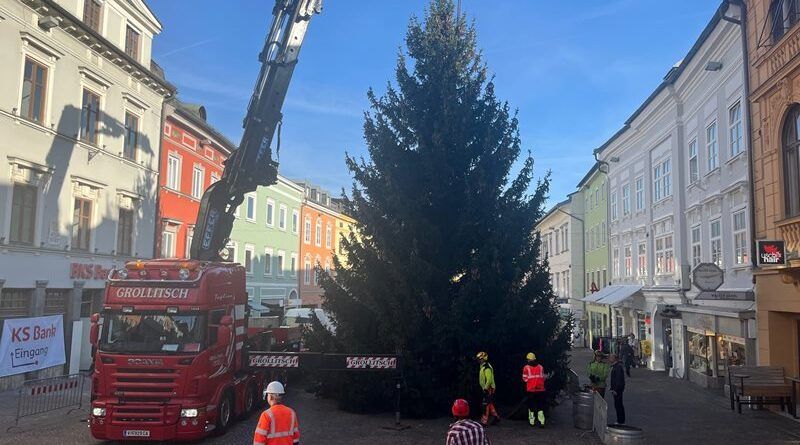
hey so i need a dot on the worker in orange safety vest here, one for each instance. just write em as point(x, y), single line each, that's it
point(533, 376)
point(278, 424)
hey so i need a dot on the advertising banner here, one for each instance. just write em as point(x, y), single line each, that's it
point(30, 344)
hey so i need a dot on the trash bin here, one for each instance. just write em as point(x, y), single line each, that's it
point(624, 435)
point(583, 409)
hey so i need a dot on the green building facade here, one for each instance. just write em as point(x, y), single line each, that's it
point(266, 240)
point(593, 188)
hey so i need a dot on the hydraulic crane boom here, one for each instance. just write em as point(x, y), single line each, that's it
point(251, 165)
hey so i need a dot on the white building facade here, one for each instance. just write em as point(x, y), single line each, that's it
point(561, 231)
point(80, 116)
point(678, 197)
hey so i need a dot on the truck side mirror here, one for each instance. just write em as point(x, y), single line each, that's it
point(224, 331)
point(94, 329)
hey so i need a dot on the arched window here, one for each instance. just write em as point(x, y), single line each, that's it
point(791, 161)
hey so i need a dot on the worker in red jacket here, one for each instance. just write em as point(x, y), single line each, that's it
point(533, 376)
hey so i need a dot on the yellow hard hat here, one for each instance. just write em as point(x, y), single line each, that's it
point(530, 357)
point(482, 356)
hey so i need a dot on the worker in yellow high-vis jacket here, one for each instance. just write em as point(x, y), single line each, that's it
point(486, 380)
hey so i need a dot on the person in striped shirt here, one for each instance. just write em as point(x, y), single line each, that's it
point(465, 431)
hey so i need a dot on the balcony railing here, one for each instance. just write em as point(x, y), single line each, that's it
point(790, 229)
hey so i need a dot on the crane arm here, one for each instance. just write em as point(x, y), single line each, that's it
point(251, 165)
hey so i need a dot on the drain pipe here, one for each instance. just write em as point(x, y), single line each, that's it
point(746, 72)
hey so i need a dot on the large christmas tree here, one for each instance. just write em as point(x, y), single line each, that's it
point(446, 263)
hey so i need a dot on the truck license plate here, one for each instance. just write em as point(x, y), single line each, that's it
point(136, 433)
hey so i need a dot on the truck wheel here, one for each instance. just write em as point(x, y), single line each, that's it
point(249, 402)
point(224, 413)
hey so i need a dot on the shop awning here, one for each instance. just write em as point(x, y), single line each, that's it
point(257, 306)
point(621, 293)
point(597, 296)
point(743, 314)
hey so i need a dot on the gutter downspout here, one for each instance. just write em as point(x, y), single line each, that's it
point(746, 72)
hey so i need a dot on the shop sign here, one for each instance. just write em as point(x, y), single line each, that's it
point(700, 331)
point(726, 295)
point(30, 344)
point(771, 253)
point(732, 339)
point(708, 276)
point(82, 271)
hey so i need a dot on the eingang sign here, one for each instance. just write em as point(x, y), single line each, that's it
point(30, 344)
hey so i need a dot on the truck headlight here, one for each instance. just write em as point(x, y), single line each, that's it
point(191, 412)
point(99, 412)
point(183, 274)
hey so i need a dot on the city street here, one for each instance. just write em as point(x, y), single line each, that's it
point(668, 410)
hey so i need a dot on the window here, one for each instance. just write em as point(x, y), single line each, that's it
point(34, 89)
point(626, 199)
point(293, 265)
point(167, 244)
point(214, 178)
point(189, 238)
point(81, 224)
point(603, 233)
point(91, 14)
point(132, 43)
point(15, 302)
point(694, 172)
point(615, 261)
point(697, 251)
point(229, 254)
point(295, 221)
point(662, 180)
point(716, 243)
point(90, 117)
point(125, 232)
point(131, 135)
point(628, 261)
point(173, 172)
point(328, 236)
point(318, 238)
point(735, 129)
point(791, 161)
point(23, 213)
point(639, 193)
point(314, 274)
point(307, 272)
point(268, 261)
point(665, 261)
point(250, 209)
point(249, 251)
point(784, 16)
point(741, 251)
point(271, 213)
point(558, 243)
point(641, 260)
point(282, 217)
point(307, 231)
point(198, 177)
point(281, 256)
point(712, 153)
point(613, 206)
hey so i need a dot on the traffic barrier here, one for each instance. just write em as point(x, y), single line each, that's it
point(600, 416)
point(43, 395)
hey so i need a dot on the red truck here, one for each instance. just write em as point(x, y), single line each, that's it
point(169, 363)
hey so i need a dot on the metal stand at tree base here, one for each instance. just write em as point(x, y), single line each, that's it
point(397, 425)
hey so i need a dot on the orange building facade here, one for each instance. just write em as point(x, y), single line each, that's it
point(192, 153)
point(773, 41)
point(318, 236)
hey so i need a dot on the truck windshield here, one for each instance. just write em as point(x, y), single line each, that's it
point(153, 332)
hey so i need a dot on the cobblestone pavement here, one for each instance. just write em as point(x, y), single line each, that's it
point(669, 410)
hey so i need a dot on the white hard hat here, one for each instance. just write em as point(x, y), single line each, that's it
point(275, 388)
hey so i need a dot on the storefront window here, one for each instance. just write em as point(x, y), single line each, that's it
point(641, 327)
point(700, 353)
point(731, 350)
point(618, 324)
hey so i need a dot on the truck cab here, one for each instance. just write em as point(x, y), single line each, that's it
point(168, 363)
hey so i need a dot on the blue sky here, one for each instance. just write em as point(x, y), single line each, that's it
point(574, 70)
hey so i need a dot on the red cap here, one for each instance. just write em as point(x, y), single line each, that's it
point(460, 408)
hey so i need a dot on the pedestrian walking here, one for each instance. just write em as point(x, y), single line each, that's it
point(598, 374)
point(637, 350)
point(626, 354)
point(618, 387)
point(533, 376)
point(486, 380)
point(465, 431)
point(277, 425)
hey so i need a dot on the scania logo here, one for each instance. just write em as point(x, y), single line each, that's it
point(146, 361)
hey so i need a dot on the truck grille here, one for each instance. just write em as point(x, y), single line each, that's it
point(145, 414)
point(144, 385)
